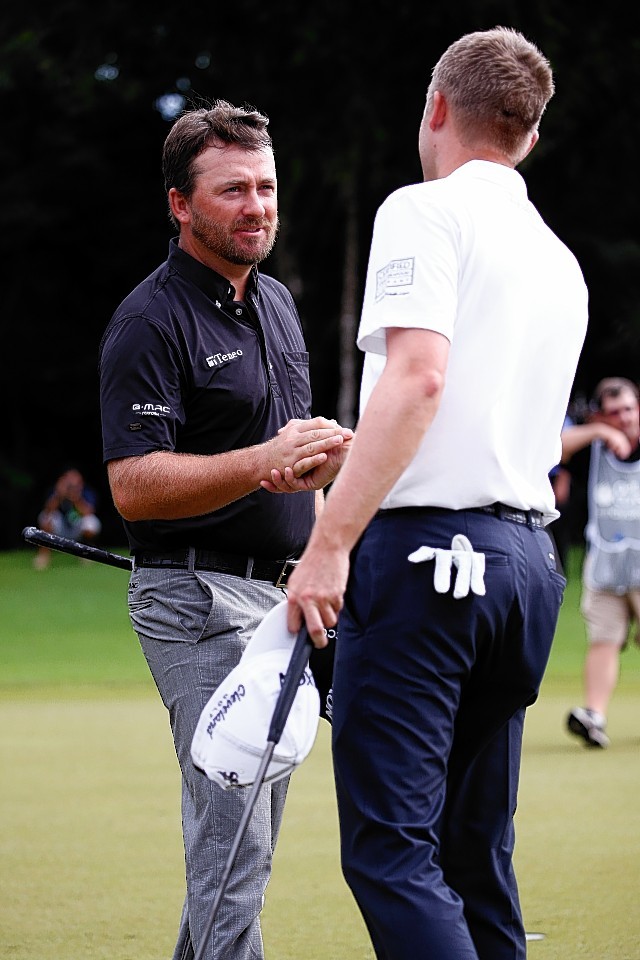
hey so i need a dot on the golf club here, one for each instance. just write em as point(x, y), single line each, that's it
point(65, 545)
point(295, 670)
point(297, 664)
point(321, 660)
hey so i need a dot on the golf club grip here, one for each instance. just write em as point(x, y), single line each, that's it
point(65, 545)
point(297, 665)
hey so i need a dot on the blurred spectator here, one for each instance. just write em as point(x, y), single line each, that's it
point(69, 511)
point(611, 574)
point(560, 529)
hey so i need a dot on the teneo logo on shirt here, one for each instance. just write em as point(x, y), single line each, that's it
point(150, 409)
point(216, 359)
point(396, 274)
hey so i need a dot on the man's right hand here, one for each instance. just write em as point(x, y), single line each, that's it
point(165, 485)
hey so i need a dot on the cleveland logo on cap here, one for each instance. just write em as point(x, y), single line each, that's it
point(231, 737)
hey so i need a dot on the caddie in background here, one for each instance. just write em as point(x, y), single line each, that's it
point(204, 388)
point(610, 601)
point(432, 548)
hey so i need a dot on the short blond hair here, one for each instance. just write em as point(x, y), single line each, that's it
point(498, 84)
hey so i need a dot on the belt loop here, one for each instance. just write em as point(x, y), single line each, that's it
point(500, 511)
point(191, 559)
point(249, 571)
point(281, 582)
point(530, 522)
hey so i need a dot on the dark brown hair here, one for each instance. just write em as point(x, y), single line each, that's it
point(220, 125)
point(613, 387)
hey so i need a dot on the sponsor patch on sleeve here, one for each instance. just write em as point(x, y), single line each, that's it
point(394, 279)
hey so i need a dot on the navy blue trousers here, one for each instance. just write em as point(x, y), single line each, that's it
point(429, 698)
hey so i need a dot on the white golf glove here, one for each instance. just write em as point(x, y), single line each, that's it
point(462, 555)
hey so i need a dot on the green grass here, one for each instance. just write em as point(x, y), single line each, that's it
point(90, 843)
point(65, 626)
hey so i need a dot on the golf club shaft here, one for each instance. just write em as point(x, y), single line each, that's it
point(66, 545)
point(295, 671)
point(233, 850)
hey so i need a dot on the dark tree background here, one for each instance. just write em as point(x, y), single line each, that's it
point(86, 94)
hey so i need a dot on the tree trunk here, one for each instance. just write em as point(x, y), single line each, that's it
point(347, 405)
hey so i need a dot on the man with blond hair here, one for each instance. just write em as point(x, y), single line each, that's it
point(435, 558)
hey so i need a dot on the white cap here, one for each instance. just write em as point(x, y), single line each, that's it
point(231, 736)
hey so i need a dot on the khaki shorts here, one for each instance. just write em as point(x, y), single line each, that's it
point(608, 616)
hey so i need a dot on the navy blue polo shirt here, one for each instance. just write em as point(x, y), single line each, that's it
point(184, 367)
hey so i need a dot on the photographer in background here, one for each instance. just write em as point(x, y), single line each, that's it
point(69, 511)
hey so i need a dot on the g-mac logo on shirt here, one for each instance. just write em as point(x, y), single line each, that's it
point(217, 358)
point(150, 409)
point(396, 274)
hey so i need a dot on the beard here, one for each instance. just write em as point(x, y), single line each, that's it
point(222, 242)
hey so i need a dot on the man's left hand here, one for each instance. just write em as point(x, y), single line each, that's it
point(302, 476)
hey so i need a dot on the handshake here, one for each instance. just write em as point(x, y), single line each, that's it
point(305, 455)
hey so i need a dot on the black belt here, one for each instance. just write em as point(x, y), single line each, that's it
point(532, 518)
point(250, 568)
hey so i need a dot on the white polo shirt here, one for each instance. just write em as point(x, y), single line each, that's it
point(469, 256)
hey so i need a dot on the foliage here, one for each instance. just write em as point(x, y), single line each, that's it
point(84, 214)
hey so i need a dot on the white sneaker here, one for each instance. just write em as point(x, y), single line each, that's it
point(590, 725)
